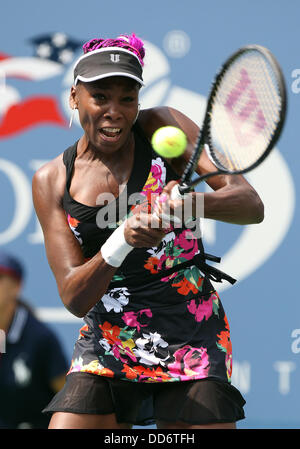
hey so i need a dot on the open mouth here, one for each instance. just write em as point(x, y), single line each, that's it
point(110, 133)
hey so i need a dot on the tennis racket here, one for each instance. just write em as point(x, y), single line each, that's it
point(244, 116)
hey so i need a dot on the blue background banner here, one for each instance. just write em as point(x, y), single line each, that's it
point(186, 42)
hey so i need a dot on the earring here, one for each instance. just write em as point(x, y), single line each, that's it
point(72, 116)
point(136, 117)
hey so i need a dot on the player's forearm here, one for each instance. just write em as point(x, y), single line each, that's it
point(84, 285)
point(236, 205)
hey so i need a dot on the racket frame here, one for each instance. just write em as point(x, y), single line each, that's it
point(204, 137)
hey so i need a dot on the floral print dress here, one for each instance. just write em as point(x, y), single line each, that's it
point(149, 326)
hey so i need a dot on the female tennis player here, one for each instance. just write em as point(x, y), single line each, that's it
point(156, 345)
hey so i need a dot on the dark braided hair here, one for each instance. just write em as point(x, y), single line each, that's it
point(129, 42)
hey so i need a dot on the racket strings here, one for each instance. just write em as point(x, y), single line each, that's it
point(271, 101)
point(245, 112)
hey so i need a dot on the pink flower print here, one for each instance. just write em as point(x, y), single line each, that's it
point(132, 319)
point(76, 365)
point(157, 176)
point(123, 352)
point(190, 363)
point(188, 242)
point(157, 170)
point(166, 261)
point(201, 311)
point(228, 364)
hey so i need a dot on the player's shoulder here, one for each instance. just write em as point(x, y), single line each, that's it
point(153, 118)
point(50, 168)
point(160, 116)
point(51, 174)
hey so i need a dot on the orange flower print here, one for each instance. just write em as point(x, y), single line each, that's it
point(226, 323)
point(84, 328)
point(72, 221)
point(117, 342)
point(152, 264)
point(110, 333)
point(145, 374)
point(224, 343)
point(136, 371)
point(158, 375)
point(131, 373)
point(185, 286)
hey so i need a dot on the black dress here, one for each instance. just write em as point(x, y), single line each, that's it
point(152, 325)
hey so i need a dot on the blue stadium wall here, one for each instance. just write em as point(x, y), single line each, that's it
point(186, 43)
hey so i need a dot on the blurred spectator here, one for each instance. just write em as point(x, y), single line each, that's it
point(33, 366)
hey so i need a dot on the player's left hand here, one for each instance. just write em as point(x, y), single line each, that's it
point(173, 212)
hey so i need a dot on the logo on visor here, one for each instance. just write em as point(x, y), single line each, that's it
point(115, 58)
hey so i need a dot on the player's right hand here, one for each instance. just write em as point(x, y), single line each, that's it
point(143, 230)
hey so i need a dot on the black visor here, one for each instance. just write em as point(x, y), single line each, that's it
point(106, 62)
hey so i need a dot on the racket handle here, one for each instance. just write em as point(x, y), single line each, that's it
point(182, 190)
point(186, 188)
point(168, 218)
point(175, 195)
point(177, 192)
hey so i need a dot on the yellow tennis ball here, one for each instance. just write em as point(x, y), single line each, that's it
point(169, 141)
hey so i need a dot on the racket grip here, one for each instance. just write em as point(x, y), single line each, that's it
point(175, 195)
point(186, 187)
point(168, 218)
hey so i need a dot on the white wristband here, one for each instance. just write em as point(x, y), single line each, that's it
point(115, 249)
